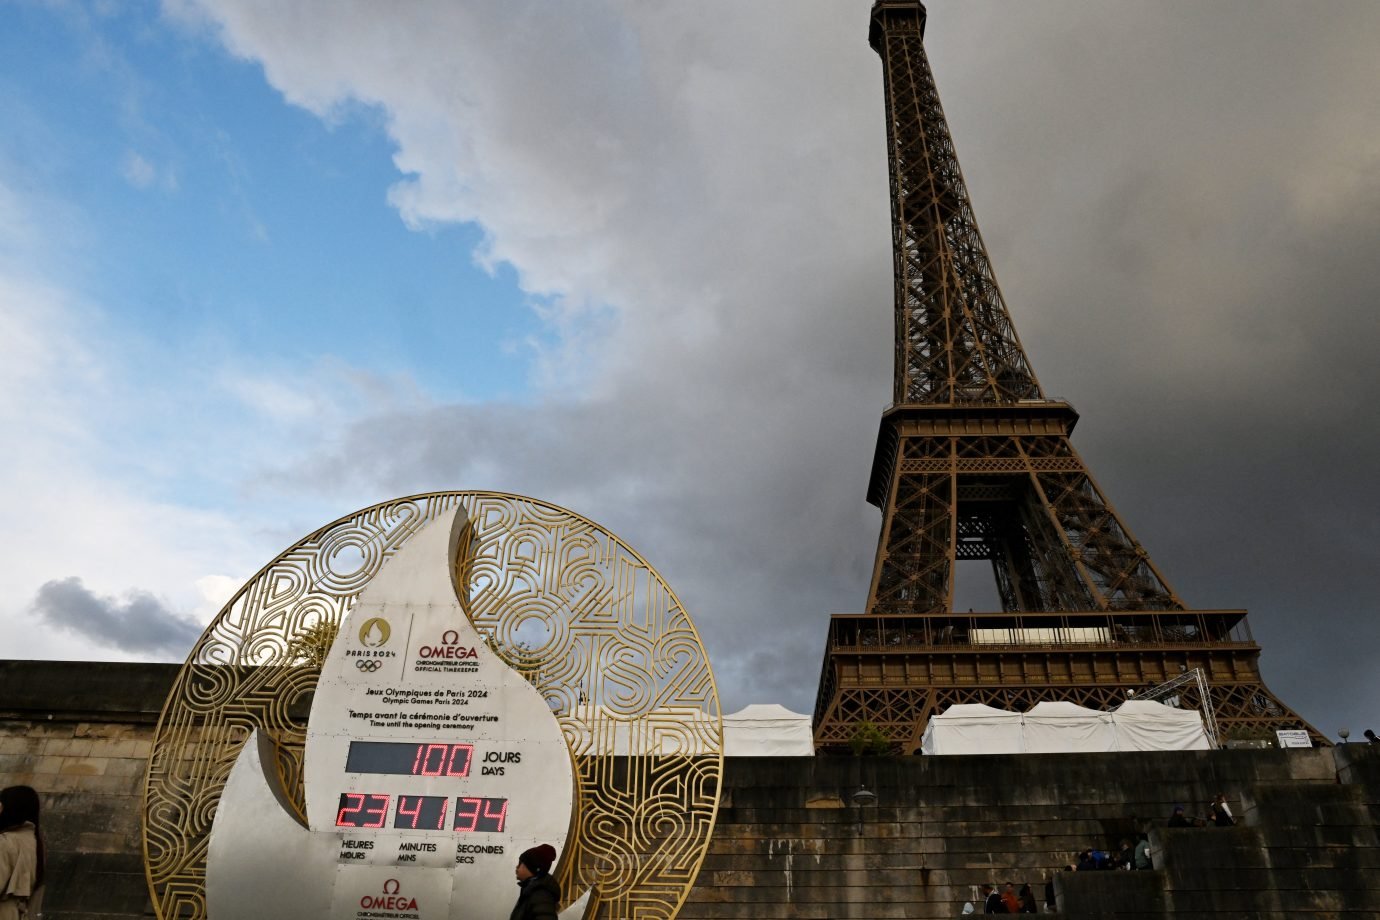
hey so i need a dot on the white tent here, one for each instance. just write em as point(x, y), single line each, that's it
point(762, 730)
point(767, 730)
point(1144, 725)
point(1059, 727)
point(973, 728)
point(1138, 725)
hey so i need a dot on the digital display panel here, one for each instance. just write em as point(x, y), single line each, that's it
point(421, 812)
point(359, 809)
point(473, 814)
point(409, 758)
point(480, 815)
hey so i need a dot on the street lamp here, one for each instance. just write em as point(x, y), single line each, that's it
point(863, 796)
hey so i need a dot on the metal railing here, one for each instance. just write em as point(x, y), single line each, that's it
point(1067, 629)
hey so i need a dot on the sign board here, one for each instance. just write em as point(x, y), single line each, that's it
point(431, 765)
point(476, 664)
point(1294, 738)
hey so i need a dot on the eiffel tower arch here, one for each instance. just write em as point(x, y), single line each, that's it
point(974, 462)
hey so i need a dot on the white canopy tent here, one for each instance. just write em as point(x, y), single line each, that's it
point(973, 728)
point(1051, 727)
point(1058, 727)
point(767, 730)
point(760, 730)
point(1144, 725)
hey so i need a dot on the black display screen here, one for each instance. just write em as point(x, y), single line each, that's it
point(480, 815)
point(358, 809)
point(409, 758)
point(421, 812)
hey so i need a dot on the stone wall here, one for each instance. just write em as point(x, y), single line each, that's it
point(791, 842)
point(80, 734)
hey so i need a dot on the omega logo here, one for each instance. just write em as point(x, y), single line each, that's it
point(450, 647)
point(391, 899)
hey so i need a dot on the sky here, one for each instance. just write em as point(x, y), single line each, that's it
point(265, 264)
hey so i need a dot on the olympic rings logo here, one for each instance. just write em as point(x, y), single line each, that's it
point(369, 665)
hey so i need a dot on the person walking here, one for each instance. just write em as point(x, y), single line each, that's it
point(1221, 812)
point(991, 901)
point(1142, 854)
point(1009, 899)
point(540, 897)
point(21, 853)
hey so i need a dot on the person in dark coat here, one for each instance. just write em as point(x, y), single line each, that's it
point(540, 897)
point(991, 901)
point(1177, 819)
point(1221, 812)
point(1027, 898)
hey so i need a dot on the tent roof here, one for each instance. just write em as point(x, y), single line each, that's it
point(1061, 709)
point(977, 711)
point(1153, 710)
point(764, 712)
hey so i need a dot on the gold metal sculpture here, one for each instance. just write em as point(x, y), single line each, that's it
point(586, 619)
point(973, 461)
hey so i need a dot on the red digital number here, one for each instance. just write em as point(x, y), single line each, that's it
point(440, 759)
point(362, 810)
point(349, 809)
point(421, 812)
point(495, 820)
point(467, 814)
point(463, 752)
point(480, 814)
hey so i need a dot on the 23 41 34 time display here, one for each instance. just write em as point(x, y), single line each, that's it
point(472, 814)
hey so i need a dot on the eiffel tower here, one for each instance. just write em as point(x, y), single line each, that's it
point(973, 462)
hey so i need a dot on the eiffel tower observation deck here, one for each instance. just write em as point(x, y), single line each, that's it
point(973, 462)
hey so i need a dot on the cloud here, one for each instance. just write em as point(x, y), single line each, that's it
point(138, 171)
point(138, 623)
point(696, 195)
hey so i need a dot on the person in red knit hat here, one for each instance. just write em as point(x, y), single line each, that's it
point(540, 897)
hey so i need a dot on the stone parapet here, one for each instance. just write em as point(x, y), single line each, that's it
point(790, 841)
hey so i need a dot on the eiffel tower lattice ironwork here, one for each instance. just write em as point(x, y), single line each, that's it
point(973, 462)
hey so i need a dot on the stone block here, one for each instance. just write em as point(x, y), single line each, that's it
point(18, 763)
point(67, 747)
point(82, 766)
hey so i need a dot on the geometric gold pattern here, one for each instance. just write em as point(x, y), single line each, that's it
point(974, 463)
point(586, 619)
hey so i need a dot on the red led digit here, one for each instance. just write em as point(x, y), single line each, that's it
point(349, 802)
point(441, 816)
point(417, 764)
point(377, 809)
point(467, 813)
point(462, 752)
point(500, 817)
point(414, 813)
point(427, 768)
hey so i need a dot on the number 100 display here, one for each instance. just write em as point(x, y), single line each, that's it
point(473, 814)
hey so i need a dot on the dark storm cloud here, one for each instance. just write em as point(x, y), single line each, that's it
point(1182, 203)
point(139, 623)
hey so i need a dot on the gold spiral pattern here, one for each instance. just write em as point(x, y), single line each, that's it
point(587, 620)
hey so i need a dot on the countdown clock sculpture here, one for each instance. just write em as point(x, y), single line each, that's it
point(391, 711)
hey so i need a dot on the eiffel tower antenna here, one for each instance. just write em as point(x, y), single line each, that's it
point(973, 462)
